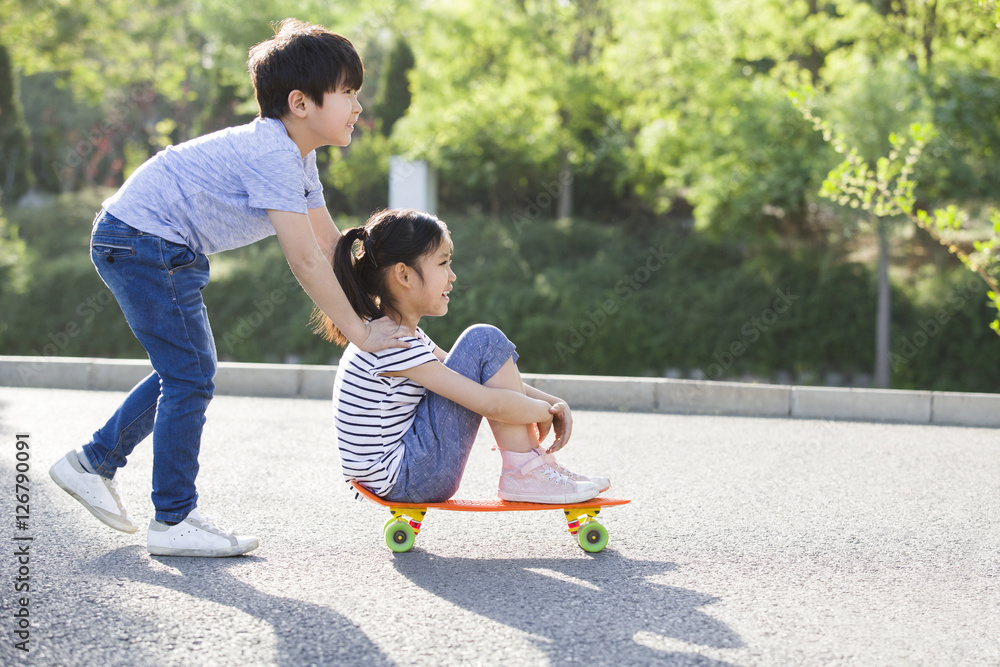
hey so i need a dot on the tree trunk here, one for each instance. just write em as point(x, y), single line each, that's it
point(565, 209)
point(930, 26)
point(883, 309)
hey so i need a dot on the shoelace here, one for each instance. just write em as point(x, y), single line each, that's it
point(208, 524)
point(548, 470)
point(555, 475)
point(575, 476)
point(561, 469)
point(115, 490)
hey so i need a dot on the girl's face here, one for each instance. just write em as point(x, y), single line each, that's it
point(431, 297)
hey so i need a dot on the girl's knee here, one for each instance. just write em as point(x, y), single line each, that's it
point(480, 352)
point(485, 333)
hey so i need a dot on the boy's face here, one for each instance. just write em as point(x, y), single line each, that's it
point(333, 123)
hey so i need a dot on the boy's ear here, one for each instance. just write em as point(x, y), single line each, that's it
point(297, 103)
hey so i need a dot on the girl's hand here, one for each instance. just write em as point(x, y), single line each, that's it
point(542, 430)
point(562, 423)
point(383, 334)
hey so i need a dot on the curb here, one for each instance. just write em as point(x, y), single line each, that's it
point(581, 391)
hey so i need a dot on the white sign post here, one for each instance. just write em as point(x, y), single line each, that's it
point(412, 184)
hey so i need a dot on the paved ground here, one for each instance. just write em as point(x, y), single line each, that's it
point(748, 542)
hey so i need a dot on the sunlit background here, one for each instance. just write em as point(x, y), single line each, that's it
point(651, 188)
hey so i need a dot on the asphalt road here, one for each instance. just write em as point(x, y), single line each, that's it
point(748, 542)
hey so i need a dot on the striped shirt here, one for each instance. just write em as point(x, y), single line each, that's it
point(373, 411)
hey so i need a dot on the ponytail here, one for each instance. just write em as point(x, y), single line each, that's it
point(389, 237)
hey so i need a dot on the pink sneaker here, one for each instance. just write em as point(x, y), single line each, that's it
point(538, 482)
point(603, 483)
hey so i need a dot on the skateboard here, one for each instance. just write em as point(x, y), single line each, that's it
point(402, 529)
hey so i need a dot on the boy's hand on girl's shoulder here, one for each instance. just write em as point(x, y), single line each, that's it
point(385, 333)
point(562, 424)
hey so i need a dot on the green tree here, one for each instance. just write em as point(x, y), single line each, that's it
point(393, 98)
point(15, 157)
point(887, 189)
point(510, 101)
point(13, 276)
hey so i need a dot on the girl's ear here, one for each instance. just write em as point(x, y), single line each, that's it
point(400, 273)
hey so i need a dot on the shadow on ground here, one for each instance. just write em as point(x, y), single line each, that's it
point(577, 610)
point(306, 633)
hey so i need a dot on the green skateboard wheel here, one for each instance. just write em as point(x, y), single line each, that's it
point(593, 537)
point(399, 536)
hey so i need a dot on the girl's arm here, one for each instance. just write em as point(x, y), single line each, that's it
point(315, 273)
point(541, 395)
point(502, 405)
point(562, 418)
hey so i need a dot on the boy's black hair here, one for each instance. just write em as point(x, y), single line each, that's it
point(302, 56)
point(364, 256)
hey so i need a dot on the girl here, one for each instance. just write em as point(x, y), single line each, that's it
point(407, 417)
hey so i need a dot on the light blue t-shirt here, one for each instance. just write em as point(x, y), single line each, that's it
point(211, 193)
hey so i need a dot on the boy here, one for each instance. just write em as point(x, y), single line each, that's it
point(220, 191)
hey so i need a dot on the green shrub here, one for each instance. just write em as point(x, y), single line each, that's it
point(15, 148)
point(575, 296)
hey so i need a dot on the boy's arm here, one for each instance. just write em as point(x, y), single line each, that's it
point(315, 273)
point(325, 230)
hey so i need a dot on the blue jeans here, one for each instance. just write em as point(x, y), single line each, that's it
point(439, 442)
point(158, 287)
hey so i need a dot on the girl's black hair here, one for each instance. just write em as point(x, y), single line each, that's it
point(364, 255)
point(301, 56)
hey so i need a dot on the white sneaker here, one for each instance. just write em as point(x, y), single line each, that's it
point(538, 482)
point(196, 535)
point(98, 494)
point(603, 483)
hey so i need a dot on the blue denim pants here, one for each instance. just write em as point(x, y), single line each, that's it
point(439, 442)
point(158, 286)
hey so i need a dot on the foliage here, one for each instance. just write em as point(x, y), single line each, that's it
point(887, 190)
point(360, 176)
point(646, 302)
point(660, 121)
point(394, 86)
point(13, 276)
point(525, 99)
point(963, 165)
point(15, 156)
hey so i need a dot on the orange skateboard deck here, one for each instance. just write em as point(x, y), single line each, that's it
point(407, 518)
